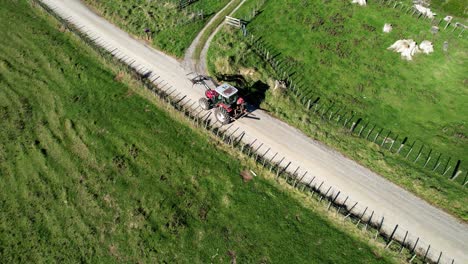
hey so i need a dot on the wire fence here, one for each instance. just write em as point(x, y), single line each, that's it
point(411, 247)
point(416, 152)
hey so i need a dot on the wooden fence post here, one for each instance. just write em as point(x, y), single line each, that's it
point(415, 244)
point(380, 227)
point(428, 158)
point(362, 128)
point(309, 184)
point(385, 138)
point(334, 199)
point(350, 210)
point(411, 149)
point(262, 157)
point(344, 204)
point(393, 142)
point(300, 180)
point(355, 124)
point(250, 147)
point(438, 259)
point(419, 154)
point(402, 145)
point(446, 168)
point(456, 172)
point(403, 243)
point(362, 215)
point(370, 131)
point(370, 220)
point(427, 251)
point(318, 189)
point(437, 163)
point(325, 195)
point(391, 237)
point(377, 135)
point(277, 167)
point(283, 170)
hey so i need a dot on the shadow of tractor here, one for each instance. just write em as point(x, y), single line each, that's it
point(253, 93)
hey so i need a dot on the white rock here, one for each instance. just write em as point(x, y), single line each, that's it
point(406, 47)
point(425, 11)
point(426, 47)
point(387, 28)
point(359, 2)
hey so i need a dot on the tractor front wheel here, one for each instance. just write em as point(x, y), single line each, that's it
point(204, 104)
point(222, 116)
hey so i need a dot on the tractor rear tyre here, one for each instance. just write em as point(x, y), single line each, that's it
point(222, 116)
point(204, 104)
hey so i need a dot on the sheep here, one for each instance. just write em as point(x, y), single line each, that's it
point(359, 2)
point(425, 11)
point(406, 47)
point(387, 28)
point(426, 47)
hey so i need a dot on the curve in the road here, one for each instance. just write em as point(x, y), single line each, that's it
point(189, 63)
point(431, 225)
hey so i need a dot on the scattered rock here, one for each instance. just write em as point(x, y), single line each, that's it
point(298, 219)
point(446, 46)
point(233, 256)
point(280, 85)
point(247, 71)
point(119, 76)
point(434, 29)
point(246, 175)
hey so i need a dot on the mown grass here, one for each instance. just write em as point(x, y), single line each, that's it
point(92, 172)
point(172, 30)
point(229, 56)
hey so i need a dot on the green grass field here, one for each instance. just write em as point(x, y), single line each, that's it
point(93, 171)
point(340, 51)
point(230, 57)
point(171, 29)
point(458, 8)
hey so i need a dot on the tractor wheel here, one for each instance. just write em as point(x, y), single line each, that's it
point(222, 116)
point(204, 104)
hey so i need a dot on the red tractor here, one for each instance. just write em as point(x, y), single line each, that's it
point(229, 106)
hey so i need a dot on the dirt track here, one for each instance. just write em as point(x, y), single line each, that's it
point(431, 225)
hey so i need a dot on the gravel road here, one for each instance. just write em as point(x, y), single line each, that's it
point(433, 226)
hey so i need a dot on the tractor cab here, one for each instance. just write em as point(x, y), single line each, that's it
point(229, 106)
point(227, 94)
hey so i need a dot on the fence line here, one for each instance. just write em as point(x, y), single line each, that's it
point(327, 111)
point(405, 8)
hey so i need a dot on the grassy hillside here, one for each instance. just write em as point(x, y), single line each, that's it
point(340, 51)
point(92, 172)
point(434, 114)
point(171, 29)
